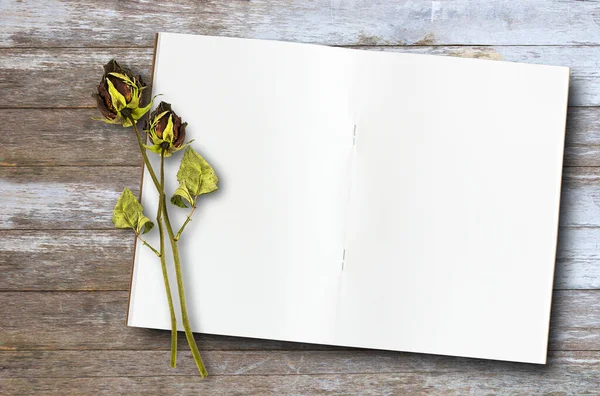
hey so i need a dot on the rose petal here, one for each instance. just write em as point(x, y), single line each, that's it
point(112, 67)
point(162, 124)
point(103, 92)
point(102, 107)
point(181, 134)
point(123, 88)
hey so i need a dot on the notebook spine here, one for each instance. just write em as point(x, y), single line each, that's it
point(350, 177)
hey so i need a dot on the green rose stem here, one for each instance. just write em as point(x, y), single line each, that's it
point(187, 220)
point(184, 316)
point(186, 321)
point(159, 254)
point(163, 262)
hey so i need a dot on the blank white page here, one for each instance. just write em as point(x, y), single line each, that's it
point(274, 120)
point(454, 209)
point(445, 202)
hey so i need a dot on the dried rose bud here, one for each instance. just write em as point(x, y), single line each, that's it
point(119, 95)
point(166, 130)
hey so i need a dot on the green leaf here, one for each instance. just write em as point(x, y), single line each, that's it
point(195, 176)
point(118, 100)
point(209, 177)
point(144, 225)
point(129, 213)
point(181, 196)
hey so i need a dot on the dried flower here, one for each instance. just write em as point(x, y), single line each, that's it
point(119, 95)
point(166, 130)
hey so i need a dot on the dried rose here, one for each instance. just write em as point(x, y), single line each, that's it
point(166, 130)
point(119, 95)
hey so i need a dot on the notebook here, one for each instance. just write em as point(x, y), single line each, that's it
point(367, 199)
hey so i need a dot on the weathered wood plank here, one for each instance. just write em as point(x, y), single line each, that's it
point(66, 77)
point(106, 363)
point(107, 24)
point(580, 203)
point(582, 139)
point(96, 320)
point(578, 259)
point(566, 375)
point(66, 260)
point(83, 197)
point(575, 320)
point(60, 137)
point(101, 260)
point(63, 197)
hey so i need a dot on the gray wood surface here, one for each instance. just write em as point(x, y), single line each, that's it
point(65, 271)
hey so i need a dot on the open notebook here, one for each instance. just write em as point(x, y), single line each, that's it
point(367, 199)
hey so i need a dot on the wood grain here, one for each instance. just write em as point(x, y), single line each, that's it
point(69, 137)
point(580, 202)
point(71, 23)
point(64, 137)
point(83, 197)
point(66, 260)
point(582, 139)
point(577, 259)
point(566, 374)
point(76, 260)
point(65, 77)
point(63, 197)
point(113, 363)
point(96, 320)
point(37, 78)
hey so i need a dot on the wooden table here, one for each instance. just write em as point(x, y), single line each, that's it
point(65, 271)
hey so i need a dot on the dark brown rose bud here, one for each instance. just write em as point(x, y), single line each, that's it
point(119, 95)
point(166, 130)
